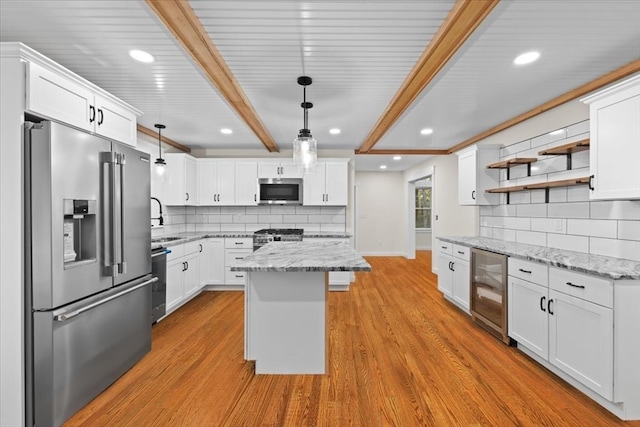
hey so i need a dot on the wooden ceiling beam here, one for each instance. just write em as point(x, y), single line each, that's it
point(596, 84)
point(181, 20)
point(464, 18)
point(166, 140)
point(404, 152)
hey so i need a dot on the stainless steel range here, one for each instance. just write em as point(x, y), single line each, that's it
point(266, 235)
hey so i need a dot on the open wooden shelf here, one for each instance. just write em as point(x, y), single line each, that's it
point(512, 162)
point(573, 147)
point(540, 186)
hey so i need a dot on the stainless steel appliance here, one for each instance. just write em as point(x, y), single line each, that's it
point(88, 267)
point(159, 289)
point(266, 235)
point(489, 291)
point(280, 191)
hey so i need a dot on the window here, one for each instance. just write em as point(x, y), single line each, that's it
point(423, 207)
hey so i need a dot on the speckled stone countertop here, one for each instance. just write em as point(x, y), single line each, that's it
point(610, 268)
point(158, 241)
point(307, 255)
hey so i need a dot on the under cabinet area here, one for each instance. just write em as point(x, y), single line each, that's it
point(454, 273)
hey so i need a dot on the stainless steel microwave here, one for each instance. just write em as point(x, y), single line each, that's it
point(280, 191)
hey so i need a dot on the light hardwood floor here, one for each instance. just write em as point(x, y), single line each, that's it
point(400, 355)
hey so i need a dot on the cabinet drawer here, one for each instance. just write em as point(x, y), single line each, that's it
point(234, 277)
point(232, 256)
point(177, 251)
point(193, 247)
point(589, 288)
point(445, 247)
point(462, 252)
point(239, 242)
point(528, 270)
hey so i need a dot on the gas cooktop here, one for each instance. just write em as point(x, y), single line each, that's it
point(266, 235)
point(281, 231)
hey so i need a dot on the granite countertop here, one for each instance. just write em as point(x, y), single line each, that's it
point(607, 267)
point(180, 238)
point(307, 255)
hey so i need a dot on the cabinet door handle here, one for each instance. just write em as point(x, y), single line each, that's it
point(187, 195)
point(255, 197)
point(200, 247)
point(525, 271)
point(473, 194)
point(461, 252)
point(184, 266)
point(542, 304)
point(444, 247)
point(101, 116)
point(239, 243)
point(549, 306)
point(575, 286)
point(239, 276)
point(92, 113)
point(239, 257)
point(187, 262)
point(590, 185)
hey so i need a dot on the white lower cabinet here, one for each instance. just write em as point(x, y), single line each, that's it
point(568, 323)
point(183, 274)
point(212, 262)
point(454, 273)
point(235, 249)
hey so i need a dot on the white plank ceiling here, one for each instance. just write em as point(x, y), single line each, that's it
point(357, 52)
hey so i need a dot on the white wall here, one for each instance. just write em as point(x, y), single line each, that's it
point(381, 213)
point(423, 240)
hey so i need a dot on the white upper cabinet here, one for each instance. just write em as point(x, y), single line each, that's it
point(278, 169)
point(246, 183)
point(473, 176)
point(328, 185)
point(615, 141)
point(56, 96)
point(180, 180)
point(216, 182)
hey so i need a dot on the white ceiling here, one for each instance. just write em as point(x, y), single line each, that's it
point(357, 52)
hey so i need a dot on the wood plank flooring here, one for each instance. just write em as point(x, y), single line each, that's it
point(400, 355)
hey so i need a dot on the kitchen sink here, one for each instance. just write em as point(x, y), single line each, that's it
point(165, 239)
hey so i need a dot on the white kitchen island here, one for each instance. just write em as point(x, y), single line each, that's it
point(286, 291)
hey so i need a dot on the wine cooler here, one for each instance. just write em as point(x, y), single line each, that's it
point(489, 292)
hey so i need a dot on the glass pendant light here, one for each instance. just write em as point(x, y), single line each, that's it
point(305, 147)
point(160, 163)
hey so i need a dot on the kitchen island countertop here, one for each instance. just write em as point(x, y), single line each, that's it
point(307, 255)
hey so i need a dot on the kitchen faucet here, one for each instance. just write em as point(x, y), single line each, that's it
point(160, 219)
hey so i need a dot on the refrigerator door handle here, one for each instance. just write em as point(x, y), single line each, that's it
point(66, 315)
point(109, 218)
point(122, 265)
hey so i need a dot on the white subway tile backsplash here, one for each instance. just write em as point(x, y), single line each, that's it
point(580, 129)
point(232, 227)
point(492, 221)
point(592, 227)
point(520, 197)
point(580, 160)
point(517, 223)
point(309, 227)
point(245, 219)
point(340, 228)
point(550, 138)
point(190, 228)
point(220, 219)
point(326, 219)
point(531, 238)
point(515, 148)
point(250, 228)
point(556, 195)
point(207, 210)
point(257, 210)
point(629, 230)
point(500, 233)
point(283, 209)
point(568, 210)
point(234, 210)
point(189, 210)
point(504, 210)
point(308, 210)
point(205, 228)
point(538, 196)
point(296, 218)
point(627, 249)
point(486, 210)
point(578, 193)
point(333, 210)
point(538, 210)
point(568, 242)
point(617, 209)
point(549, 225)
point(486, 232)
point(277, 219)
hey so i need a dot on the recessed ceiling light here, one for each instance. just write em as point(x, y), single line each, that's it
point(142, 56)
point(334, 131)
point(526, 58)
point(226, 131)
point(383, 166)
point(397, 157)
point(426, 131)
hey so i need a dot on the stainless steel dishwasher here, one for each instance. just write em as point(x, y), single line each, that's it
point(159, 289)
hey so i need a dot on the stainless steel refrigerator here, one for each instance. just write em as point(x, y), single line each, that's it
point(88, 267)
